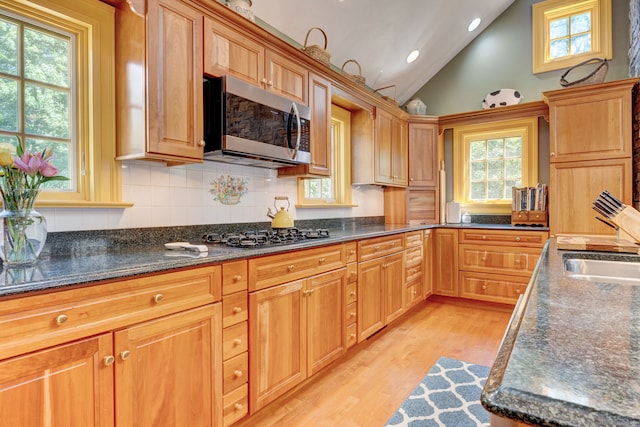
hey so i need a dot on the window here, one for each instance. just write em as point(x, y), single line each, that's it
point(57, 89)
point(490, 159)
point(335, 190)
point(566, 32)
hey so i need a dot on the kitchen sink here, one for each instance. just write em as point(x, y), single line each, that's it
point(598, 270)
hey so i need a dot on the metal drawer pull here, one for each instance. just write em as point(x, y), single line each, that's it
point(60, 319)
point(108, 360)
point(125, 355)
point(238, 373)
point(237, 309)
point(157, 298)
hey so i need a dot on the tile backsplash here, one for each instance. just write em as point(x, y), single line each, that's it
point(179, 195)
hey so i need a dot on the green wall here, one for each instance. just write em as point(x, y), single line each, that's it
point(500, 57)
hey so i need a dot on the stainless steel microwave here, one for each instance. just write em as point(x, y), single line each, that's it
point(251, 126)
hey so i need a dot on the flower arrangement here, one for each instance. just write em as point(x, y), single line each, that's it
point(228, 190)
point(21, 175)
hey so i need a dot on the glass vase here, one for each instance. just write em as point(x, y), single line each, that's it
point(23, 231)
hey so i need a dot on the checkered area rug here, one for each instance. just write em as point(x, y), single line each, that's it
point(449, 396)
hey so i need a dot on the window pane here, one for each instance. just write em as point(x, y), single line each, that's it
point(581, 44)
point(478, 150)
point(558, 28)
point(496, 169)
point(478, 191)
point(513, 147)
point(507, 187)
point(513, 168)
point(581, 23)
point(61, 160)
point(496, 190)
point(478, 171)
point(46, 58)
point(495, 148)
point(8, 48)
point(9, 105)
point(10, 139)
point(559, 48)
point(46, 111)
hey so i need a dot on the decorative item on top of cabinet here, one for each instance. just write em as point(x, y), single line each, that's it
point(315, 51)
point(159, 83)
point(590, 133)
point(229, 51)
point(243, 7)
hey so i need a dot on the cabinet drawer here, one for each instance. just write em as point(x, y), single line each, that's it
point(492, 287)
point(352, 251)
point(413, 238)
point(351, 313)
point(352, 272)
point(234, 309)
point(235, 371)
point(282, 268)
point(234, 277)
point(352, 335)
point(33, 322)
point(413, 273)
point(234, 340)
point(504, 237)
point(492, 259)
point(380, 246)
point(236, 405)
point(413, 256)
point(414, 294)
point(352, 293)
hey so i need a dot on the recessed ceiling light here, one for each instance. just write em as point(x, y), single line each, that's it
point(412, 56)
point(474, 24)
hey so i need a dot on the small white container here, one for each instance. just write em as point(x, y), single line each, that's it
point(453, 213)
point(466, 218)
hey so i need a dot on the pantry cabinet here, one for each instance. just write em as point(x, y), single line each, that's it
point(159, 82)
point(590, 131)
point(233, 52)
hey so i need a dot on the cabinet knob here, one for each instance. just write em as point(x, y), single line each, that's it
point(484, 237)
point(60, 319)
point(237, 309)
point(352, 294)
point(264, 80)
point(517, 239)
point(517, 261)
point(237, 278)
point(270, 83)
point(552, 154)
point(237, 341)
point(201, 143)
point(352, 314)
point(352, 252)
point(484, 287)
point(157, 298)
point(238, 406)
point(125, 355)
point(238, 373)
point(108, 360)
point(291, 267)
point(322, 260)
point(353, 335)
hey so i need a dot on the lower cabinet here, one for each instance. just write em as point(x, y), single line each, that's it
point(295, 330)
point(445, 259)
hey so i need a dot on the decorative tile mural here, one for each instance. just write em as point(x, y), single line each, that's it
point(229, 190)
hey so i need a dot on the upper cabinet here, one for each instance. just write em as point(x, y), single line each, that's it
point(423, 154)
point(228, 51)
point(159, 82)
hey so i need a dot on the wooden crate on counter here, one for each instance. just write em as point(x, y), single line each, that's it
point(531, 218)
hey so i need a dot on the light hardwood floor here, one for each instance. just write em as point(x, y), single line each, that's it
point(366, 386)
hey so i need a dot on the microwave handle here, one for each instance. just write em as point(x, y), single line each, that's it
point(296, 114)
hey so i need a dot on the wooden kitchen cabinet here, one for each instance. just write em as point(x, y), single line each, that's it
point(427, 277)
point(590, 137)
point(445, 259)
point(159, 82)
point(228, 51)
point(297, 328)
point(65, 385)
point(167, 371)
point(414, 265)
point(423, 153)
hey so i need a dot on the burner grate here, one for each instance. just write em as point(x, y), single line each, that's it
point(264, 238)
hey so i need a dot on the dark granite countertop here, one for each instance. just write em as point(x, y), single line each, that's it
point(571, 354)
point(91, 257)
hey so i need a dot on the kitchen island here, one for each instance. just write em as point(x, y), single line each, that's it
point(571, 354)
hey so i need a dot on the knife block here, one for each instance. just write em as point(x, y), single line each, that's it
point(530, 218)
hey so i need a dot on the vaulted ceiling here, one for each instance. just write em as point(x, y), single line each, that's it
point(380, 34)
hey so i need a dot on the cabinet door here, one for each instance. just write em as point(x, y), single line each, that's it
point(321, 149)
point(399, 153)
point(277, 342)
point(423, 154)
point(383, 156)
point(66, 385)
point(169, 370)
point(573, 186)
point(427, 271)
point(175, 80)
point(325, 319)
point(446, 262)
point(286, 77)
point(371, 316)
point(393, 269)
point(227, 51)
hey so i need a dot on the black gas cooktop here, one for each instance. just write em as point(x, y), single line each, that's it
point(270, 237)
